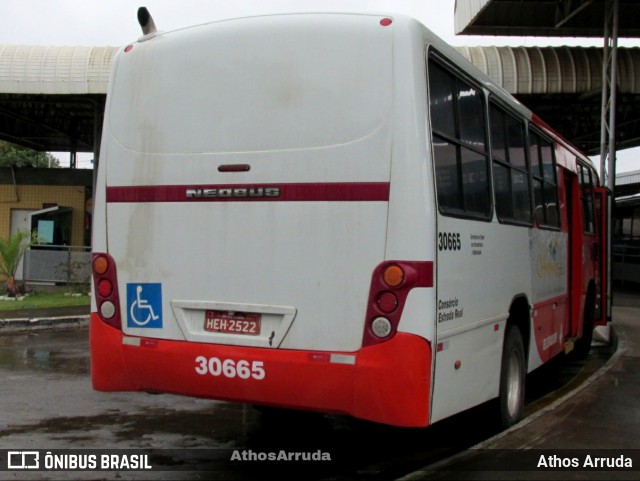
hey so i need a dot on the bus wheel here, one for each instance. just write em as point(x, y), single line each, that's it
point(512, 378)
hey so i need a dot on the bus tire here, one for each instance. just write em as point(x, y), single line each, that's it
point(513, 374)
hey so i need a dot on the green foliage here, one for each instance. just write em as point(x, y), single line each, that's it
point(44, 300)
point(18, 156)
point(11, 252)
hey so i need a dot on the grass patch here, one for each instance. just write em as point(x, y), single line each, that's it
point(38, 300)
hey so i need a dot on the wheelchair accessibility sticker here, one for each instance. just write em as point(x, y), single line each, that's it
point(144, 305)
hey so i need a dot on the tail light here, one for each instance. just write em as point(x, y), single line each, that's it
point(106, 289)
point(390, 285)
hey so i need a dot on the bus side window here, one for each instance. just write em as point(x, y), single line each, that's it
point(545, 185)
point(459, 144)
point(510, 167)
point(586, 195)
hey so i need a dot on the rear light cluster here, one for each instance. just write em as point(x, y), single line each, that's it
point(106, 289)
point(390, 286)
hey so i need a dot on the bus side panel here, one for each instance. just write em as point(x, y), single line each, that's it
point(412, 214)
point(549, 275)
point(477, 280)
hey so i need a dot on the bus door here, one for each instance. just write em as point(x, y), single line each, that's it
point(574, 253)
point(603, 291)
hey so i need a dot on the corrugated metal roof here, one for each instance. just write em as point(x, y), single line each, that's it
point(628, 178)
point(520, 70)
point(35, 76)
point(550, 70)
point(34, 69)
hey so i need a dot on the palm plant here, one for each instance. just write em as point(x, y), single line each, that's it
point(11, 252)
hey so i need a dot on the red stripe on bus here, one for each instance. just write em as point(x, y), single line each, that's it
point(351, 191)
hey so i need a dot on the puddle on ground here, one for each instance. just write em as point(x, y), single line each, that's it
point(65, 352)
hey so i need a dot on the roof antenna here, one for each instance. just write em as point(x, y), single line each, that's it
point(146, 21)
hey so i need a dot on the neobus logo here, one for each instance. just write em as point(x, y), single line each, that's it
point(236, 192)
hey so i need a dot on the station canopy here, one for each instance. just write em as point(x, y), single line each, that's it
point(563, 86)
point(574, 113)
point(548, 18)
point(52, 98)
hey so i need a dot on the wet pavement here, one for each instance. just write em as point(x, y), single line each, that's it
point(598, 418)
point(50, 312)
point(49, 404)
point(30, 320)
point(52, 406)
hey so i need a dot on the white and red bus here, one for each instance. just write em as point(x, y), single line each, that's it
point(334, 212)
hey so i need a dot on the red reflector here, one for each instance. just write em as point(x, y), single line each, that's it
point(387, 302)
point(319, 357)
point(105, 288)
point(148, 342)
point(128, 48)
point(385, 22)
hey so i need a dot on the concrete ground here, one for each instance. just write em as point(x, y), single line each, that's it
point(592, 432)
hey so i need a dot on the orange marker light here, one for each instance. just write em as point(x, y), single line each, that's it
point(100, 265)
point(393, 276)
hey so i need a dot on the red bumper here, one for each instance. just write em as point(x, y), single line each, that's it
point(386, 383)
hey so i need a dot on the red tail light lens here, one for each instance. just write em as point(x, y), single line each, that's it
point(388, 302)
point(105, 281)
point(390, 285)
point(105, 288)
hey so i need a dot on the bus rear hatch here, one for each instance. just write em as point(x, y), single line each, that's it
point(248, 180)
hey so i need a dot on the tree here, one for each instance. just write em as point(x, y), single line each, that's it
point(11, 252)
point(11, 154)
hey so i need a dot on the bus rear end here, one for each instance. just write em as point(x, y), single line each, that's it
point(241, 221)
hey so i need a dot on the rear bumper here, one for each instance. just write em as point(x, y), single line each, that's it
point(386, 383)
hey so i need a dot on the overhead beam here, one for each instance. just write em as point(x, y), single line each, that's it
point(556, 18)
point(567, 9)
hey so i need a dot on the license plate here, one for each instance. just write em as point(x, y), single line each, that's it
point(226, 322)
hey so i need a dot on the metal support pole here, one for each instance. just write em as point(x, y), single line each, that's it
point(609, 94)
point(604, 127)
point(614, 96)
point(608, 124)
point(97, 131)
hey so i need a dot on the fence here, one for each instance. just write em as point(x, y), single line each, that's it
point(58, 264)
point(626, 263)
